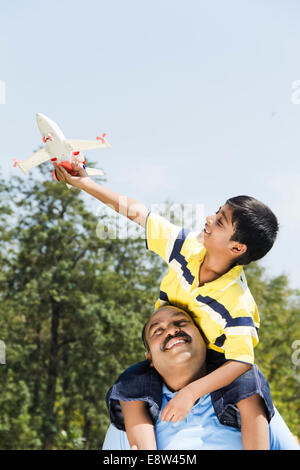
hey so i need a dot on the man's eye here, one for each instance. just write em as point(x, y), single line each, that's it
point(219, 222)
point(158, 331)
point(181, 322)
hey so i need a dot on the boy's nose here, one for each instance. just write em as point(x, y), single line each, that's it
point(209, 219)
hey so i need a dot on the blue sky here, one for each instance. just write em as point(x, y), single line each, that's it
point(195, 98)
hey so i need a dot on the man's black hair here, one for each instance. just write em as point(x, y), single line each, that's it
point(256, 226)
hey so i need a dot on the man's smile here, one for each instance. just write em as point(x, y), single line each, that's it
point(173, 341)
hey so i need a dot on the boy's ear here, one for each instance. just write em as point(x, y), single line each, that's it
point(238, 249)
point(149, 358)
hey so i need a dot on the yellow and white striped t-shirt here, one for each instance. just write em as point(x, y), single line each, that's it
point(224, 309)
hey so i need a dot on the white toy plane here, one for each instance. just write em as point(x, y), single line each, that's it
point(59, 149)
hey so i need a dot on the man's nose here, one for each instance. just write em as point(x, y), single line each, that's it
point(172, 330)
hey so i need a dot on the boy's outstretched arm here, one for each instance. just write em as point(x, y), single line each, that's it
point(124, 205)
point(138, 424)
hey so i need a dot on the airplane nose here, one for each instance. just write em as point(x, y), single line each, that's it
point(40, 116)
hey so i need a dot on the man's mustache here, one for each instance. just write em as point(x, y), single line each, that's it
point(178, 334)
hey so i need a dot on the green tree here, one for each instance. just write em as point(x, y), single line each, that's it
point(73, 308)
point(279, 308)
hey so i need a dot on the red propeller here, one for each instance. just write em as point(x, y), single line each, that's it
point(102, 138)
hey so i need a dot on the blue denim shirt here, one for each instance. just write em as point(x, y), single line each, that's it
point(141, 382)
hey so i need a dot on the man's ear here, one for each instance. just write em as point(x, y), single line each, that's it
point(149, 358)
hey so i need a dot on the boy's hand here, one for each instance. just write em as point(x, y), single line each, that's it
point(179, 406)
point(77, 181)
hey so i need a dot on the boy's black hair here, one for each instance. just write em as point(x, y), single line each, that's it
point(255, 226)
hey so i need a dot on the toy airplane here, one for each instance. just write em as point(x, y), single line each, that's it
point(59, 149)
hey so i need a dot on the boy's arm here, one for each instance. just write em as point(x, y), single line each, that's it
point(160, 234)
point(182, 403)
point(138, 424)
point(124, 205)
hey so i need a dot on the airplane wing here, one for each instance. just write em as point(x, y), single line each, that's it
point(36, 159)
point(81, 145)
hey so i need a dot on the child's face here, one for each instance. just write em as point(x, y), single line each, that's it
point(218, 232)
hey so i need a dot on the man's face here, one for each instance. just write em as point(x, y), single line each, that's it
point(218, 232)
point(173, 339)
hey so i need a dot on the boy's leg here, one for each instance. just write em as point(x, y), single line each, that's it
point(254, 423)
point(139, 382)
point(248, 394)
point(139, 425)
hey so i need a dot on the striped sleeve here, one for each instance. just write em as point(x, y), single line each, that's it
point(161, 235)
point(240, 342)
point(237, 334)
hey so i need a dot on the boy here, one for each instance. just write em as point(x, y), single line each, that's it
point(205, 278)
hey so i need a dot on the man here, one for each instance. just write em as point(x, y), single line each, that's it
point(177, 351)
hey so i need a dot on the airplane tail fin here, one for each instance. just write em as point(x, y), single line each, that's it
point(19, 164)
point(94, 172)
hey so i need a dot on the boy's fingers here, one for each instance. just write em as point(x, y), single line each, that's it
point(56, 169)
point(167, 416)
point(59, 174)
point(62, 173)
point(164, 414)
